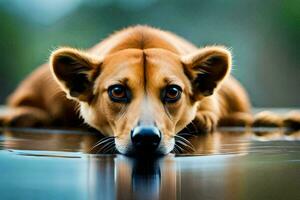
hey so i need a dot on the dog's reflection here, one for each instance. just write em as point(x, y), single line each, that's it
point(146, 178)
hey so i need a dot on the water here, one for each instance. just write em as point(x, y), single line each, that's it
point(229, 164)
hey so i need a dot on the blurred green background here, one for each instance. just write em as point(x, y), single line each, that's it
point(263, 35)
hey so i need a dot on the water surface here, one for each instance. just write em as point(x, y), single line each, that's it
point(228, 164)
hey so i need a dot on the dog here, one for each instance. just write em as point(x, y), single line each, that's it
point(140, 86)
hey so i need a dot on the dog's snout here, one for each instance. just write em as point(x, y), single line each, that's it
point(145, 139)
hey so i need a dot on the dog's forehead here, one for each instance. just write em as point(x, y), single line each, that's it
point(137, 67)
point(163, 65)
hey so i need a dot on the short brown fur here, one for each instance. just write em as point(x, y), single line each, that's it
point(141, 57)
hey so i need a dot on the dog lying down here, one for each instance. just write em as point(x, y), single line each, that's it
point(141, 86)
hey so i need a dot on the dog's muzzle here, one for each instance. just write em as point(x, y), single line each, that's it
point(145, 139)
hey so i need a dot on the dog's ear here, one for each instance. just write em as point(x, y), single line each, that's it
point(206, 68)
point(75, 71)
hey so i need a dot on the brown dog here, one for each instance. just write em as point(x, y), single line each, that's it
point(141, 86)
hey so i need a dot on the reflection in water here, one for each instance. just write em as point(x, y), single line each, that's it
point(229, 164)
point(145, 178)
point(132, 178)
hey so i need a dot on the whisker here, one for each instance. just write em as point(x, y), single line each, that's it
point(105, 146)
point(105, 139)
point(186, 146)
point(99, 143)
point(102, 141)
point(184, 139)
point(176, 150)
point(179, 148)
point(108, 148)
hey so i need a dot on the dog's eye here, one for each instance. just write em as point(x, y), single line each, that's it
point(171, 94)
point(118, 93)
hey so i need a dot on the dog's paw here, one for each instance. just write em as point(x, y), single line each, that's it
point(268, 119)
point(237, 119)
point(24, 117)
point(205, 122)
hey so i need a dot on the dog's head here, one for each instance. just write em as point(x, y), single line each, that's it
point(141, 97)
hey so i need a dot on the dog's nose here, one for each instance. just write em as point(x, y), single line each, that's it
point(145, 139)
